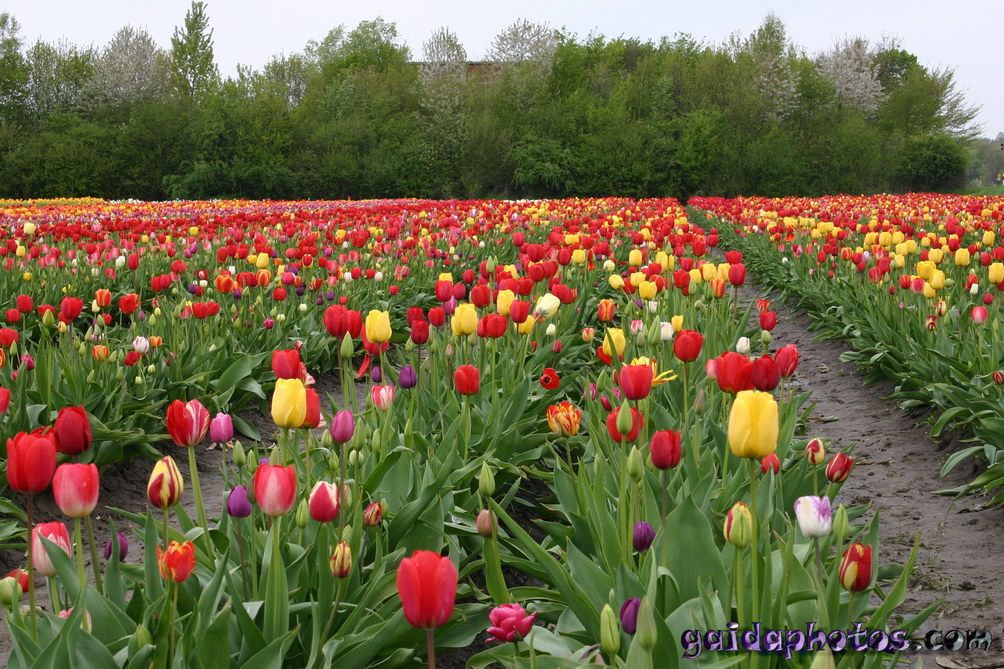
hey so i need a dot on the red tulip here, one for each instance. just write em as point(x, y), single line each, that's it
point(312, 418)
point(275, 489)
point(636, 381)
point(764, 373)
point(467, 380)
point(177, 562)
point(770, 462)
point(856, 567)
point(286, 364)
point(73, 430)
point(550, 380)
point(787, 360)
point(427, 585)
point(519, 311)
point(665, 449)
point(839, 467)
point(31, 460)
point(733, 372)
point(768, 319)
point(737, 274)
point(187, 422)
point(687, 345)
point(419, 332)
point(4, 400)
point(325, 502)
point(129, 303)
point(70, 308)
point(75, 488)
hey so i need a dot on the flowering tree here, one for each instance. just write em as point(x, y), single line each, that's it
point(850, 67)
point(131, 67)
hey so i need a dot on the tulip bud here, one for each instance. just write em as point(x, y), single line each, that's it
point(353, 458)
point(486, 481)
point(10, 592)
point(347, 348)
point(332, 460)
point(629, 615)
point(738, 528)
point(635, 463)
point(823, 660)
point(815, 452)
point(139, 640)
point(346, 533)
point(841, 524)
point(765, 337)
point(625, 421)
point(238, 454)
point(341, 560)
point(346, 490)
point(302, 514)
point(485, 523)
point(373, 515)
point(645, 630)
point(699, 402)
point(642, 536)
point(610, 634)
point(121, 541)
point(743, 345)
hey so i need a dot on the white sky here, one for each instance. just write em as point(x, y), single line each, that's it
point(965, 35)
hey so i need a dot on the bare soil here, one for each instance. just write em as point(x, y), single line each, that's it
point(896, 475)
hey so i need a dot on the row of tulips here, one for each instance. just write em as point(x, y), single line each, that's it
point(912, 283)
point(571, 444)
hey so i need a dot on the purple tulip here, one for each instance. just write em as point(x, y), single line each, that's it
point(643, 536)
point(238, 505)
point(376, 374)
point(408, 377)
point(342, 426)
point(221, 428)
point(629, 615)
point(123, 542)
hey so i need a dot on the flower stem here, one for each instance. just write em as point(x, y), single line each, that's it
point(94, 550)
point(79, 550)
point(430, 640)
point(31, 566)
point(200, 509)
point(167, 518)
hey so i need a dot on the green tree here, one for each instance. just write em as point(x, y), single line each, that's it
point(194, 69)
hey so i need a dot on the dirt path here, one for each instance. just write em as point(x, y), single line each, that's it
point(896, 472)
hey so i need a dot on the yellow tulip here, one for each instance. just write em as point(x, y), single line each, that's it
point(378, 326)
point(579, 256)
point(696, 277)
point(636, 278)
point(614, 341)
point(988, 238)
point(504, 301)
point(753, 424)
point(646, 290)
point(465, 320)
point(938, 280)
point(935, 255)
point(289, 403)
point(526, 327)
point(634, 258)
point(709, 271)
point(962, 257)
point(996, 272)
point(616, 282)
point(677, 322)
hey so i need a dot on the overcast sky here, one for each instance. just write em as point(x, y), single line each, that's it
point(963, 35)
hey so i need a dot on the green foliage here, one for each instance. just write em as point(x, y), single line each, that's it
point(354, 116)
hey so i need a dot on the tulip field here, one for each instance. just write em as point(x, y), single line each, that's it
point(553, 433)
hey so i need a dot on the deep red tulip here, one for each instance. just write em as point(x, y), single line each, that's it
point(72, 430)
point(427, 585)
point(765, 374)
point(856, 567)
point(419, 331)
point(768, 320)
point(839, 467)
point(665, 449)
point(550, 380)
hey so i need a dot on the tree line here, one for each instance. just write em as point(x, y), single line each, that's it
point(546, 113)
